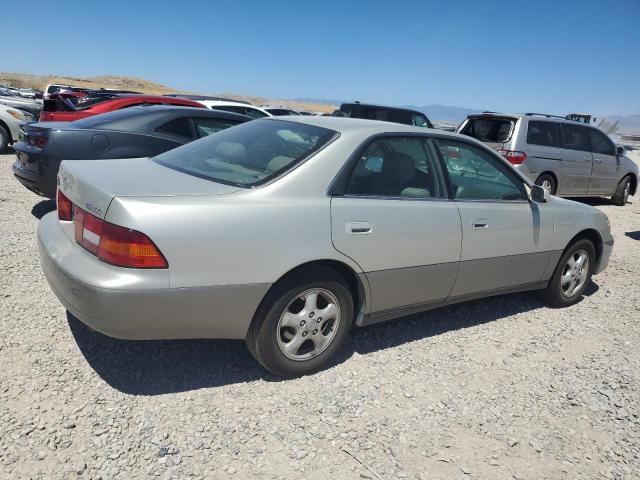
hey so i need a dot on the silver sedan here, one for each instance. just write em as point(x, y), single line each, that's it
point(288, 232)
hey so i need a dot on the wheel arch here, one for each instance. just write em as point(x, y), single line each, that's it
point(8, 130)
point(594, 237)
point(551, 173)
point(352, 279)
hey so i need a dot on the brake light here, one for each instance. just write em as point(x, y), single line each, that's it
point(513, 156)
point(38, 139)
point(64, 207)
point(114, 244)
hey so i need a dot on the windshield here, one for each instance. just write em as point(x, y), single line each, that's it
point(493, 130)
point(249, 154)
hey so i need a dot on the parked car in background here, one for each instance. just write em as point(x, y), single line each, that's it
point(10, 119)
point(11, 99)
point(53, 89)
point(566, 157)
point(204, 97)
point(386, 114)
point(241, 108)
point(279, 111)
point(132, 132)
point(286, 232)
point(62, 108)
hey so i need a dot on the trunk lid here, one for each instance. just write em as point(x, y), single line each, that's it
point(92, 184)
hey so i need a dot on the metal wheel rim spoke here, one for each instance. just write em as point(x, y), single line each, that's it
point(308, 324)
point(575, 273)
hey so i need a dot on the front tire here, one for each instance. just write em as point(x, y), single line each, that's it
point(622, 192)
point(572, 275)
point(4, 139)
point(302, 323)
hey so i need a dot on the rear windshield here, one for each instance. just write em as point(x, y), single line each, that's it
point(249, 154)
point(494, 130)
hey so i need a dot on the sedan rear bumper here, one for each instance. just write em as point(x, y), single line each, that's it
point(138, 304)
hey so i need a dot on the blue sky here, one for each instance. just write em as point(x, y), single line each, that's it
point(552, 56)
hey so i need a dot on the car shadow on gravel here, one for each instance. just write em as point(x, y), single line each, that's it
point(40, 209)
point(168, 366)
point(635, 235)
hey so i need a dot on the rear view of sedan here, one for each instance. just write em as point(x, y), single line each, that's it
point(133, 132)
point(287, 233)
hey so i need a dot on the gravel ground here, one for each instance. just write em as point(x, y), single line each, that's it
point(503, 388)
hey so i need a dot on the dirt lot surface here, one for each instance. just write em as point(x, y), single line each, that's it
point(503, 388)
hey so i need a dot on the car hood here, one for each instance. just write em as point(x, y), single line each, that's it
point(92, 184)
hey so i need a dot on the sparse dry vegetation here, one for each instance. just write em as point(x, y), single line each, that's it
point(22, 80)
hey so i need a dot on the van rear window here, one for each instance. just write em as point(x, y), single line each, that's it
point(493, 130)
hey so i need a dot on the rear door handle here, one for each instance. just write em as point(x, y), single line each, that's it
point(479, 223)
point(359, 228)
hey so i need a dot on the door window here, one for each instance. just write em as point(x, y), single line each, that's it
point(575, 137)
point(253, 112)
point(542, 133)
point(600, 143)
point(179, 127)
point(477, 175)
point(207, 126)
point(397, 167)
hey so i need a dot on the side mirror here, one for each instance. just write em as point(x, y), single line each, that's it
point(539, 194)
point(620, 151)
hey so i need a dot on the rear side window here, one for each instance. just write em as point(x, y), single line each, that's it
point(600, 143)
point(542, 133)
point(253, 112)
point(575, 137)
point(493, 130)
point(207, 126)
point(179, 127)
point(397, 168)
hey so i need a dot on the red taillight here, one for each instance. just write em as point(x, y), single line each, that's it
point(38, 139)
point(514, 157)
point(114, 244)
point(64, 207)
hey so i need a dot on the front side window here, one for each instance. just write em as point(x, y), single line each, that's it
point(249, 154)
point(477, 175)
point(575, 137)
point(600, 143)
point(542, 133)
point(206, 126)
point(179, 127)
point(397, 167)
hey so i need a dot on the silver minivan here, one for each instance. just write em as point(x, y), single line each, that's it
point(566, 157)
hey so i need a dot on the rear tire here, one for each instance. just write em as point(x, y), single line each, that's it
point(622, 192)
point(288, 335)
point(4, 139)
point(572, 275)
point(547, 182)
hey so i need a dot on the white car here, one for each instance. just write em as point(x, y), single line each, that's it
point(278, 111)
point(236, 107)
point(10, 119)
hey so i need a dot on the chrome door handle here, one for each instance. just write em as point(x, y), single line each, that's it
point(359, 228)
point(598, 160)
point(479, 223)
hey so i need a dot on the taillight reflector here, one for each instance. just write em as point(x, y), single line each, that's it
point(64, 207)
point(514, 157)
point(114, 244)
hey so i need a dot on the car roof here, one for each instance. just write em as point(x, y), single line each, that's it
point(229, 103)
point(359, 125)
point(533, 116)
point(384, 107)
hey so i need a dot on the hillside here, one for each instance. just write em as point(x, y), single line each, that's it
point(22, 80)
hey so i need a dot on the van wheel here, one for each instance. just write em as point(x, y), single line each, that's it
point(4, 139)
point(303, 322)
point(622, 192)
point(572, 275)
point(547, 182)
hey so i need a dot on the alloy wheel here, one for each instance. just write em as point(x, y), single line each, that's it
point(308, 324)
point(574, 273)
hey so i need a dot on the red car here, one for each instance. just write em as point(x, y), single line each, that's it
point(69, 107)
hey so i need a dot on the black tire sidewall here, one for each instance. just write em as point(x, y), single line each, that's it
point(553, 293)
point(265, 346)
point(618, 198)
point(4, 139)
